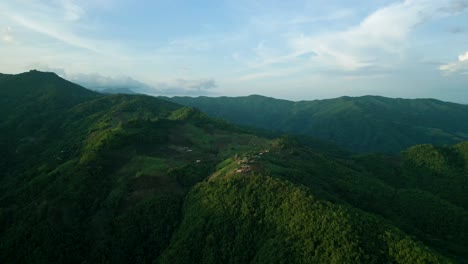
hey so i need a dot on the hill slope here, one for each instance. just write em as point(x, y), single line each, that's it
point(135, 179)
point(362, 124)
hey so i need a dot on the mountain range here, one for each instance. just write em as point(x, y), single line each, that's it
point(360, 124)
point(88, 177)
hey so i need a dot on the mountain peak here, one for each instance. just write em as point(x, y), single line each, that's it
point(35, 72)
point(46, 88)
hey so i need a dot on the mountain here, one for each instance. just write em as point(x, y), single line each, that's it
point(116, 91)
point(96, 178)
point(361, 124)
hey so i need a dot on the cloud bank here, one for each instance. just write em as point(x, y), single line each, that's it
point(187, 87)
point(102, 83)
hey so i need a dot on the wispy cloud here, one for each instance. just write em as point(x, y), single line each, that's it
point(275, 22)
point(73, 12)
point(57, 20)
point(55, 32)
point(337, 15)
point(378, 38)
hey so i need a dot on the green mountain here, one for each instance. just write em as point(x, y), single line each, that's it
point(93, 178)
point(361, 124)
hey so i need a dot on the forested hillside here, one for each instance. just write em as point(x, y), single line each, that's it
point(361, 124)
point(92, 178)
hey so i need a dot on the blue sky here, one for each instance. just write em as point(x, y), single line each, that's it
point(299, 50)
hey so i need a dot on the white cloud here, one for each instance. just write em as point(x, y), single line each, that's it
point(99, 82)
point(460, 66)
point(463, 57)
point(378, 39)
point(96, 81)
point(7, 35)
point(186, 87)
point(448, 67)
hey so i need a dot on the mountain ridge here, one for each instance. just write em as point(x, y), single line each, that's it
point(363, 124)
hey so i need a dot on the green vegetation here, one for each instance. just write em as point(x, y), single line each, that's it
point(361, 124)
point(91, 178)
point(255, 218)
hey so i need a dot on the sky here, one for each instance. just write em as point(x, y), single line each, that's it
point(296, 49)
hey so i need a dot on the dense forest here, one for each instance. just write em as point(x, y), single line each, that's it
point(96, 178)
point(361, 124)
